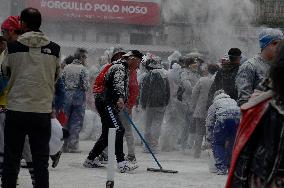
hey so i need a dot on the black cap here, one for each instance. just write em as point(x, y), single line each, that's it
point(235, 52)
point(134, 53)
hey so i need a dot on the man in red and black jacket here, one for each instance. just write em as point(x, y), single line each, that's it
point(109, 103)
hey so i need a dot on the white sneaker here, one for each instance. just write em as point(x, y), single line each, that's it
point(92, 163)
point(126, 166)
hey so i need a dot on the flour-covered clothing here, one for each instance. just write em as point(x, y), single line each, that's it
point(75, 78)
point(222, 122)
point(155, 96)
point(249, 77)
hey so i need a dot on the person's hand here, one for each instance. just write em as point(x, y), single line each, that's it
point(120, 104)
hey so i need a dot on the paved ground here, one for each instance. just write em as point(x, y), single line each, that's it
point(71, 174)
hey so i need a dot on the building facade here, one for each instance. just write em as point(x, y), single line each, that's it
point(270, 12)
point(132, 24)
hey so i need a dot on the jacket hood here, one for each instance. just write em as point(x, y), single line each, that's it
point(34, 39)
point(221, 96)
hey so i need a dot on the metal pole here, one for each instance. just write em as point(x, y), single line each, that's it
point(111, 158)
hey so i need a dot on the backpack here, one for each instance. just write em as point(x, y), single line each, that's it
point(159, 95)
point(99, 85)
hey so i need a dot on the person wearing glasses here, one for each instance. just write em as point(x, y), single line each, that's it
point(255, 70)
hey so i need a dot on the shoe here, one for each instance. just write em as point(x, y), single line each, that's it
point(126, 166)
point(55, 159)
point(103, 158)
point(131, 158)
point(92, 163)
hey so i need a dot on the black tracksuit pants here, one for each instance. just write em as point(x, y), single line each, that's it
point(110, 119)
point(38, 128)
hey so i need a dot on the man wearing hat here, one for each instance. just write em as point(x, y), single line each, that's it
point(254, 71)
point(226, 76)
point(154, 98)
point(11, 30)
point(110, 99)
point(32, 64)
point(132, 97)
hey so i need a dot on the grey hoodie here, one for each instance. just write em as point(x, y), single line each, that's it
point(32, 63)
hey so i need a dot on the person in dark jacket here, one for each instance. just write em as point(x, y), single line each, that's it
point(258, 156)
point(226, 76)
point(155, 96)
point(109, 103)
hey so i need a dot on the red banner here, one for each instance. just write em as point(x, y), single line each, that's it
point(115, 11)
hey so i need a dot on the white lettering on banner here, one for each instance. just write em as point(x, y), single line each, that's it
point(67, 5)
point(106, 8)
point(88, 6)
point(134, 10)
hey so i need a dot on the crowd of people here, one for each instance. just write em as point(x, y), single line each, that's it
point(232, 109)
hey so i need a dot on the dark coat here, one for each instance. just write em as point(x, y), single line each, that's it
point(225, 79)
point(116, 83)
point(155, 91)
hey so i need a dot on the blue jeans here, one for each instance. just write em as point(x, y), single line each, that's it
point(224, 134)
point(74, 107)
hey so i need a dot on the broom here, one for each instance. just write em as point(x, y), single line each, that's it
point(160, 169)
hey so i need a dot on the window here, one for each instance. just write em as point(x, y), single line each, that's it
point(140, 38)
point(108, 37)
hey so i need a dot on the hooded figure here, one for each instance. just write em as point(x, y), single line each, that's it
point(221, 123)
point(155, 96)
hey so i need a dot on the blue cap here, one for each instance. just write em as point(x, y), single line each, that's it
point(268, 35)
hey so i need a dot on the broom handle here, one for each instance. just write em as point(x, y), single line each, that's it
point(142, 138)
